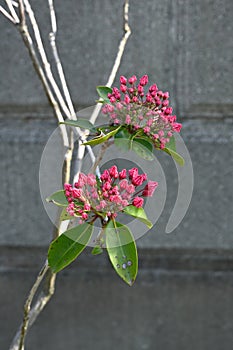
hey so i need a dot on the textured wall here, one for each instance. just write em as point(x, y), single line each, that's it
point(183, 297)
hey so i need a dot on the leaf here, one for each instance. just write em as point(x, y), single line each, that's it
point(122, 251)
point(65, 216)
point(97, 250)
point(68, 246)
point(58, 198)
point(171, 144)
point(122, 139)
point(103, 92)
point(103, 138)
point(143, 148)
point(138, 213)
point(80, 123)
point(175, 156)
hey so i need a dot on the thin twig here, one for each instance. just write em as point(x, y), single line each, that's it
point(27, 305)
point(23, 29)
point(12, 10)
point(44, 58)
point(52, 38)
point(7, 15)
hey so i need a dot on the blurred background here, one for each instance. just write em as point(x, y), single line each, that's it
point(182, 298)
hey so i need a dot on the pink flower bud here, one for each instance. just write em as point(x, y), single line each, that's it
point(168, 110)
point(149, 98)
point(87, 206)
point(128, 119)
point(160, 93)
point(146, 130)
point(84, 216)
point(133, 79)
point(177, 127)
point(149, 188)
point(123, 88)
point(138, 180)
point(138, 202)
point(122, 174)
point(112, 99)
point(133, 172)
point(130, 189)
point(153, 88)
point(127, 99)
point(91, 179)
point(105, 176)
point(140, 89)
point(135, 99)
point(119, 106)
point(144, 80)
point(123, 80)
point(113, 172)
point(76, 193)
point(166, 95)
point(165, 103)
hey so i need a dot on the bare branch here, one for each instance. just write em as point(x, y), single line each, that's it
point(44, 59)
point(12, 10)
point(31, 314)
point(30, 46)
point(52, 37)
point(7, 15)
point(27, 305)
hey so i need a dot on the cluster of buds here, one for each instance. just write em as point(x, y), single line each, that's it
point(148, 111)
point(105, 197)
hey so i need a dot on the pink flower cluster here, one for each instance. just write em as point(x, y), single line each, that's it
point(111, 194)
point(138, 109)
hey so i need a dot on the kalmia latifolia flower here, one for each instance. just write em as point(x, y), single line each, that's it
point(137, 108)
point(106, 197)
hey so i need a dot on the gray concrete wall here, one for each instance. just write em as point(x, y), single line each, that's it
point(183, 296)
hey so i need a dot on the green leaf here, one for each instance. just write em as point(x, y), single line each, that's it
point(80, 123)
point(143, 148)
point(175, 156)
point(122, 139)
point(68, 246)
point(102, 138)
point(58, 198)
point(171, 144)
point(138, 213)
point(103, 92)
point(97, 250)
point(122, 251)
point(65, 216)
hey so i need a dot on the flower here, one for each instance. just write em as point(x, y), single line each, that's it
point(138, 202)
point(149, 188)
point(106, 197)
point(137, 109)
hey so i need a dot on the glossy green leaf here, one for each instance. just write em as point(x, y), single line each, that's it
point(171, 144)
point(143, 148)
point(102, 138)
point(68, 246)
point(97, 250)
point(65, 216)
point(175, 156)
point(80, 123)
point(122, 251)
point(103, 92)
point(58, 198)
point(122, 139)
point(138, 213)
